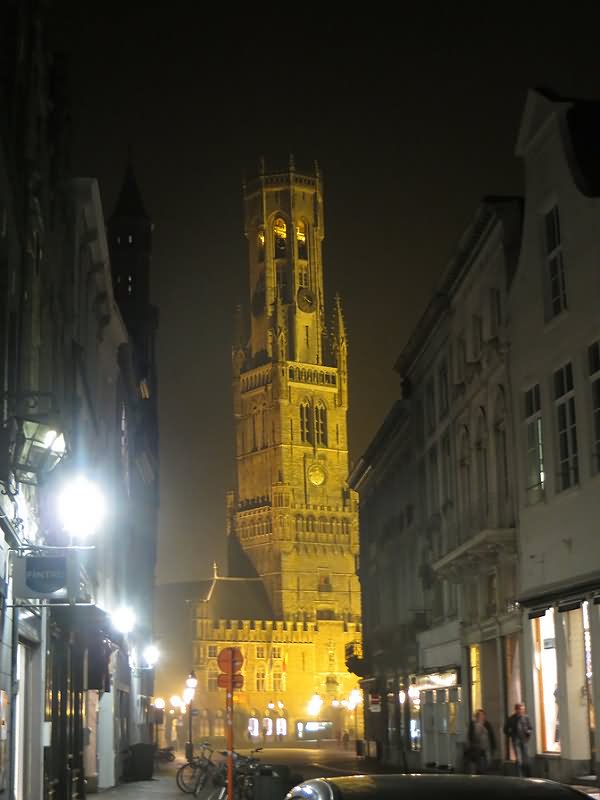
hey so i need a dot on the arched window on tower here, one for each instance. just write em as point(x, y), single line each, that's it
point(321, 425)
point(306, 423)
point(260, 246)
point(280, 238)
point(302, 241)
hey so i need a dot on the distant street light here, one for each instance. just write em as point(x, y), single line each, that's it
point(188, 695)
point(151, 655)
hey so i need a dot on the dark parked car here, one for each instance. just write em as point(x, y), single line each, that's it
point(431, 787)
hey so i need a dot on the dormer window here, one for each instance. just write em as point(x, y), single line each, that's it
point(301, 241)
point(280, 236)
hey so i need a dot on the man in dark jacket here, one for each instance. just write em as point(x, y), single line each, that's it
point(518, 729)
point(482, 742)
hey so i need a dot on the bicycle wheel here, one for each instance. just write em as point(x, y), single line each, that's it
point(187, 776)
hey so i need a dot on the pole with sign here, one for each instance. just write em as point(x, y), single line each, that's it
point(230, 662)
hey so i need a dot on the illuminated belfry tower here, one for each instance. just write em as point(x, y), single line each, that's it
point(292, 514)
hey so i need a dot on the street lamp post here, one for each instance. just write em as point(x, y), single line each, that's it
point(159, 710)
point(188, 695)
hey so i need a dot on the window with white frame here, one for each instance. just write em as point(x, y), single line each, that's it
point(566, 427)
point(260, 651)
point(594, 373)
point(213, 650)
point(212, 681)
point(260, 680)
point(535, 445)
point(556, 288)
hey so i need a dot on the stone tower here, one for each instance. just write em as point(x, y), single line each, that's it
point(292, 514)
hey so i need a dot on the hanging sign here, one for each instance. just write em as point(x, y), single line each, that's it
point(52, 577)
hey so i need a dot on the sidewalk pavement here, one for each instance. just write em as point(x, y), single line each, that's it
point(161, 787)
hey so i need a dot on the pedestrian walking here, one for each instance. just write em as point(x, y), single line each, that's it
point(346, 739)
point(481, 743)
point(518, 728)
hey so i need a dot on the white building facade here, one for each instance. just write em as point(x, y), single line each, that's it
point(554, 308)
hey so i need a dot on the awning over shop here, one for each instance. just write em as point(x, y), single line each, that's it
point(565, 595)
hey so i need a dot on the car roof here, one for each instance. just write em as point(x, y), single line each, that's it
point(429, 787)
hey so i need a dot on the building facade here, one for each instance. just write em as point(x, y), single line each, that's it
point(438, 524)
point(292, 520)
point(555, 372)
point(74, 690)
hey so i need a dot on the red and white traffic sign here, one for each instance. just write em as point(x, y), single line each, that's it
point(237, 681)
point(230, 659)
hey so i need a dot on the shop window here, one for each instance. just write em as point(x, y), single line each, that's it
point(545, 682)
point(587, 647)
point(414, 712)
point(267, 726)
point(253, 727)
point(475, 677)
point(281, 726)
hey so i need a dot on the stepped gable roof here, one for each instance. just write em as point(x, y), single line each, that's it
point(238, 598)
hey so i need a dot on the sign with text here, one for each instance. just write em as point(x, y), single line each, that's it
point(51, 577)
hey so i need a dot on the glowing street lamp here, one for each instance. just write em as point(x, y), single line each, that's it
point(81, 508)
point(176, 701)
point(188, 695)
point(123, 619)
point(314, 706)
point(151, 655)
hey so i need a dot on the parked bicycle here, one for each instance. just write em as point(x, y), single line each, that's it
point(192, 777)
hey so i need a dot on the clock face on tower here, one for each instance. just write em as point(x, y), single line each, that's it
point(316, 475)
point(306, 300)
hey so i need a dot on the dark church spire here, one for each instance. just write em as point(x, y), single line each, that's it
point(129, 204)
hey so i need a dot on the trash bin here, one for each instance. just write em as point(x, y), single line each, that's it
point(142, 762)
point(273, 783)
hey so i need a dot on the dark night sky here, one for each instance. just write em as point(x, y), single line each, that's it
point(412, 122)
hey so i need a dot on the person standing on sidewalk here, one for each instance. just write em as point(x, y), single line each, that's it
point(518, 728)
point(482, 742)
